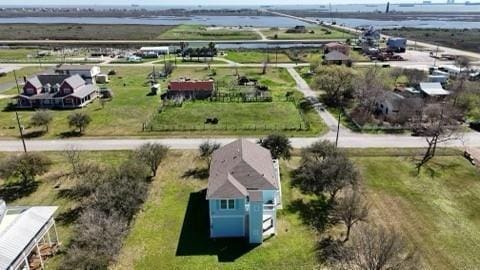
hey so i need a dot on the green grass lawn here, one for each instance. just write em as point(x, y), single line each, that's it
point(122, 116)
point(438, 211)
point(319, 32)
point(172, 230)
point(26, 71)
point(256, 56)
point(131, 107)
point(46, 194)
point(252, 118)
point(239, 118)
point(200, 32)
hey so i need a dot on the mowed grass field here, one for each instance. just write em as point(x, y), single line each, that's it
point(46, 194)
point(81, 31)
point(319, 32)
point(255, 56)
point(239, 118)
point(172, 231)
point(200, 32)
point(26, 71)
point(122, 116)
point(132, 106)
point(438, 211)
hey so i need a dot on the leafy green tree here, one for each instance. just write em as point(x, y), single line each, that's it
point(337, 83)
point(278, 144)
point(79, 120)
point(24, 166)
point(41, 118)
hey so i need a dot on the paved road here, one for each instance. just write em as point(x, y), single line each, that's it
point(160, 42)
point(432, 47)
point(347, 141)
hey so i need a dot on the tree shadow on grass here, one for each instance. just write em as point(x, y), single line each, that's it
point(12, 191)
point(195, 235)
point(70, 134)
point(197, 173)
point(34, 134)
point(69, 216)
point(313, 213)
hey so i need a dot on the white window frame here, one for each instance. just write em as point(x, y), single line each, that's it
point(227, 204)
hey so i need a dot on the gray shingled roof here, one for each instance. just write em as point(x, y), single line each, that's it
point(336, 56)
point(238, 167)
point(84, 91)
point(75, 81)
point(52, 79)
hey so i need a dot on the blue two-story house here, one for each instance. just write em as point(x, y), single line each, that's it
point(243, 192)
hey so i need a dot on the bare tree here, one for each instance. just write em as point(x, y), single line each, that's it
point(206, 150)
point(462, 62)
point(350, 210)
point(152, 154)
point(369, 86)
point(396, 73)
point(74, 158)
point(438, 123)
point(414, 76)
point(378, 249)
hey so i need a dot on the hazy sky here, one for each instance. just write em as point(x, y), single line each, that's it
point(206, 2)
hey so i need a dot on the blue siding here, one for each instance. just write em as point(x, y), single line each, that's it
point(269, 195)
point(227, 222)
point(255, 223)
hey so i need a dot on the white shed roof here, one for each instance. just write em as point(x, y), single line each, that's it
point(18, 230)
point(433, 89)
point(161, 48)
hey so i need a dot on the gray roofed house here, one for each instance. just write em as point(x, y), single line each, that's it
point(243, 192)
point(336, 57)
point(87, 72)
point(243, 164)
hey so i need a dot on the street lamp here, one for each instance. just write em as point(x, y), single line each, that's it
point(18, 119)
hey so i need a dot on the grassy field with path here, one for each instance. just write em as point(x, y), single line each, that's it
point(318, 32)
point(256, 56)
point(172, 230)
point(200, 32)
point(438, 210)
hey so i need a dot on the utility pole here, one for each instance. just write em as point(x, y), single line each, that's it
point(338, 127)
point(18, 118)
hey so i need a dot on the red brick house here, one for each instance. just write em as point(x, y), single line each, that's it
point(336, 46)
point(190, 89)
point(56, 91)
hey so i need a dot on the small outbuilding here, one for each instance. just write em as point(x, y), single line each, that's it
point(433, 89)
point(154, 51)
point(336, 58)
point(336, 46)
point(190, 89)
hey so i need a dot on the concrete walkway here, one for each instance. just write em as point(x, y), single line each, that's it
point(330, 120)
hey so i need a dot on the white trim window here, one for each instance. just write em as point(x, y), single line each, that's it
point(227, 204)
